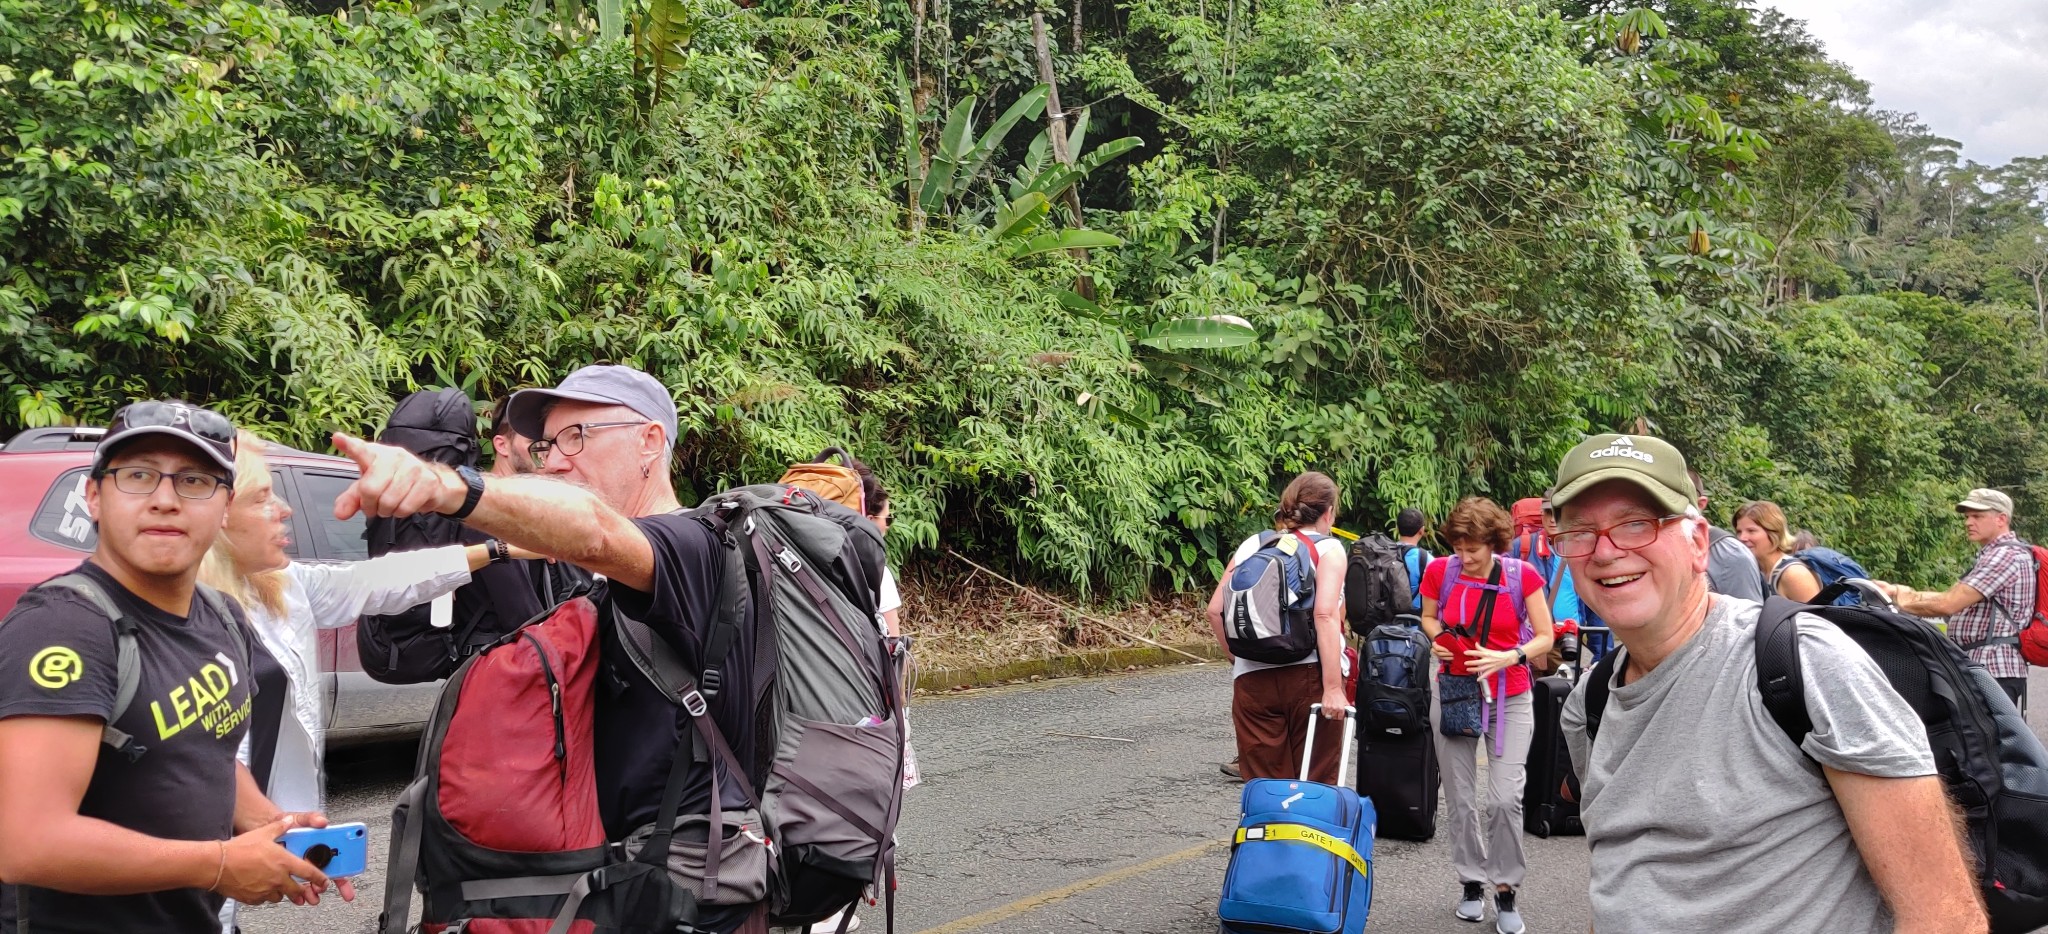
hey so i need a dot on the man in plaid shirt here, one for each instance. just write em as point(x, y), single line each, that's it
point(1989, 606)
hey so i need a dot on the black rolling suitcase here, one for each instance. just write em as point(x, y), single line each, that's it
point(1545, 812)
point(1399, 774)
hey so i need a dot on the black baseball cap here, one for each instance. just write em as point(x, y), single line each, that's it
point(203, 428)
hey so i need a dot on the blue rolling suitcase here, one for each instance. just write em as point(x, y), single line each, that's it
point(1302, 859)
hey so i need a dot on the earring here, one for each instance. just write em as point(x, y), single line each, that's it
point(644, 471)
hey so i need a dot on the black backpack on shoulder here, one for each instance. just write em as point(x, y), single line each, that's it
point(440, 426)
point(1993, 766)
point(1376, 585)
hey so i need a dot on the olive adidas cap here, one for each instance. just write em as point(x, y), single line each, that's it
point(1647, 462)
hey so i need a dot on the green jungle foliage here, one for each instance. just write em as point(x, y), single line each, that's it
point(1424, 245)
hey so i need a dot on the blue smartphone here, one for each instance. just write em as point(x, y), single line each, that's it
point(339, 850)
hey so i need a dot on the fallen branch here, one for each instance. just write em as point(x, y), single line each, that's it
point(1075, 610)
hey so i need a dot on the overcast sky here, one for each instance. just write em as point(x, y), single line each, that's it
point(1974, 70)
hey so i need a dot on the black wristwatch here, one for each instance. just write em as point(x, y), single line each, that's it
point(497, 550)
point(476, 492)
point(1521, 655)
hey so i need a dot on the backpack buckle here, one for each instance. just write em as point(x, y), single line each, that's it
point(694, 703)
point(789, 560)
point(712, 680)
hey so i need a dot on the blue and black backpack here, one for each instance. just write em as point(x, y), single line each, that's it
point(1271, 614)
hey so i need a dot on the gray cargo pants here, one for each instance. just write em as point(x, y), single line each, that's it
point(1491, 854)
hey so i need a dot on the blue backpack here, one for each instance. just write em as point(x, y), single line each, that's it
point(1271, 614)
point(1831, 567)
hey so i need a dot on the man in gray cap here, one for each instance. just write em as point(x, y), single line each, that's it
point(1991, 604)
point(1700, 812)
point(607, 431)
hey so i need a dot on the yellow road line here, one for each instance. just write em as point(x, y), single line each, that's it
point(1042, 899)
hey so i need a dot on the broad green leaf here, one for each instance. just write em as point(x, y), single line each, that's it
point(1107, 151)
point(1027, 107)
point(1069, 239)
point(611, 19)
point(1075, 302)
point(1211, 332)
point(1021, 216)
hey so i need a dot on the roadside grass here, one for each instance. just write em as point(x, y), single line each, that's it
point(966, 621)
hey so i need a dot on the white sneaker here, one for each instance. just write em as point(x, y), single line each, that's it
point(831, 925)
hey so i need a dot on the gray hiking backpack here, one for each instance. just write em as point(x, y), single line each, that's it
point(833, 793)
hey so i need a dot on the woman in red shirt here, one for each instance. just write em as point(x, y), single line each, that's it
point(1486, 616)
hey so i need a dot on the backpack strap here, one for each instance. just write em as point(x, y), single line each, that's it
point(1597, 684)
point(659, 664)
point(725, 627)
point(127, 657)
point(2040, 602)
point(1778, 675)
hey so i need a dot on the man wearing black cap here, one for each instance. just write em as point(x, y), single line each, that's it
point(603, 500)
point(123, 817)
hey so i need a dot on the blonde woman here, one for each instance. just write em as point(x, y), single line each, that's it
point(1761, 526)
point(288, 602)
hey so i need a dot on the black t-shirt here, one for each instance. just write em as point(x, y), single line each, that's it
point(191, 709)
point(637, 730)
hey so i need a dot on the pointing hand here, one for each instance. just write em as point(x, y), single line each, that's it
point(394, 482)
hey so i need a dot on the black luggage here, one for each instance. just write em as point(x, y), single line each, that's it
point(1545, 810)
point(1399, 774)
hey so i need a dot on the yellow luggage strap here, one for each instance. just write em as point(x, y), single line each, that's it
point(1302, 833)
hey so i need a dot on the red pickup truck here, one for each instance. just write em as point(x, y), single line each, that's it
point(45, 531)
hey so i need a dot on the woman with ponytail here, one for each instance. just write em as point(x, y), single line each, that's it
point(1269, 704)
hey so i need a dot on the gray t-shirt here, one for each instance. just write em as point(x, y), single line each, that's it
point(1731, 568)
point(1702, 815)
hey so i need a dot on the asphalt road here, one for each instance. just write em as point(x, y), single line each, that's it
point(1019, 831)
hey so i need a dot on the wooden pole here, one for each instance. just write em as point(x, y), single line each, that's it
point(1055, 118)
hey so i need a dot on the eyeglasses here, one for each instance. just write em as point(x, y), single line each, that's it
point(1630, 535)
point(142, 481)
point(205, 423)
point(569, 440)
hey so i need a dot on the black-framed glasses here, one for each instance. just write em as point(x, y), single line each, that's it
point(205, 423)
point(142, 481)
point(1628, 536)
point(569, 440)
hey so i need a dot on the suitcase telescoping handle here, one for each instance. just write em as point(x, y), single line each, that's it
point(1308, 743)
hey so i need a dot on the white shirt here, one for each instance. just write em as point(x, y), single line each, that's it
point(1329, 549)
point(891, 599)
point(330, 596)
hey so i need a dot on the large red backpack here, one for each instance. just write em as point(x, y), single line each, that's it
point(502, 822)
point(2033, 635)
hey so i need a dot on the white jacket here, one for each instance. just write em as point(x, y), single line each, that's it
point(330, 596)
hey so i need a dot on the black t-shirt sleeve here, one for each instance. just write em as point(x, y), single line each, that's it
point(56, 658)
point(686, 579)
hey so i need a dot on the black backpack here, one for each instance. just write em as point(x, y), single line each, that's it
point(1994, 768)
point(1376, 584)
point(439, 425)
point(1394, 687)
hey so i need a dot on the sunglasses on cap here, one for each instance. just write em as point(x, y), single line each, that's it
point(205, 423)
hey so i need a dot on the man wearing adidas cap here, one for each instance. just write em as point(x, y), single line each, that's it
point(1700, 812)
